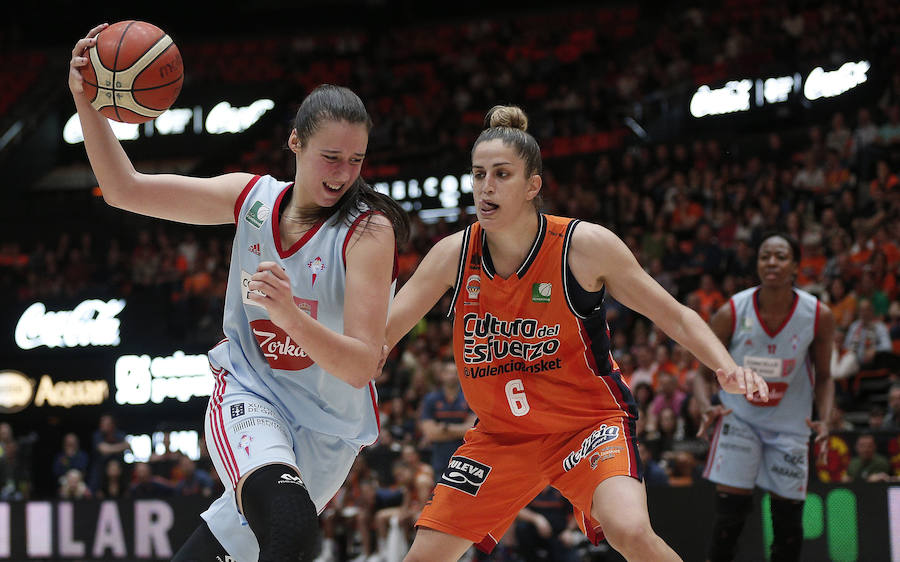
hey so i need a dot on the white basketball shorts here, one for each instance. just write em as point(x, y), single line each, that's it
point(244, 432)
point(743, 456)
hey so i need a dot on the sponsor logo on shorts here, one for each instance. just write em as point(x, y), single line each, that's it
point(237, 410)
point(795, 458)
point(787, 471)
point(733, 447)
point(605, 454)
point(246, 424)
point(253, 408)
point(288, 478)
point(736, 431)
point(465, 474)
point(603, 434)
point(257, 214)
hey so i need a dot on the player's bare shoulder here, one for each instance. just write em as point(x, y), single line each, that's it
point(590, 241)
point(588, 238)
point(373, 225)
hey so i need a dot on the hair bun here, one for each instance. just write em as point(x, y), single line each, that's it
point(510, 116)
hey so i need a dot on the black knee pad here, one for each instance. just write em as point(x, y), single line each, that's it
point(731, 512)
point(787, 526)
point(201, 546)
point(281, 514)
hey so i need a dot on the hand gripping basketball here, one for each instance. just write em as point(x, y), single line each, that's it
point(130, 71)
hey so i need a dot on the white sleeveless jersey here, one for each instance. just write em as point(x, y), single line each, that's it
point(781, 357)
point(259, 355)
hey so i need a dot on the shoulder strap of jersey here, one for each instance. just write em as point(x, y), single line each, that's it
point(464, 252)
point(239, 202)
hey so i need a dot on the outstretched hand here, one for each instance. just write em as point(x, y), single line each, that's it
point(79, 60)
point(711, 417)
point(743, 381)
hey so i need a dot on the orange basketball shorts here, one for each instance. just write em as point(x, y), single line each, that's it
point(493, 476)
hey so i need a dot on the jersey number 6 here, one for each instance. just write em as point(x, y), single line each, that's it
point(515, 394)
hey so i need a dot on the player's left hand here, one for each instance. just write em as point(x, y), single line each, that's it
point(270, 287)
point(821, 442)
point(743, 381)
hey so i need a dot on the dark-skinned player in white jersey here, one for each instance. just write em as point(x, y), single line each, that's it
point(786, 335)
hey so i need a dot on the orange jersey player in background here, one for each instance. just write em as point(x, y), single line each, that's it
point(532, 351)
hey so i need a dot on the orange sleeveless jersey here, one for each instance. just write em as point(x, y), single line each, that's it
point(528, 361)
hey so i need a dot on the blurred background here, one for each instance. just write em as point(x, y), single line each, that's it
point(688, 128)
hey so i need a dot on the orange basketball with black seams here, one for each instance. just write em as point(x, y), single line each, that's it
point(135, 72)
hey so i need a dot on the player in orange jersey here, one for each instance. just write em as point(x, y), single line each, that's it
point(532, 351)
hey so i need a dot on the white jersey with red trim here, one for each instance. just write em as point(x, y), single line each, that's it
point(259, 355)
point(781, 357)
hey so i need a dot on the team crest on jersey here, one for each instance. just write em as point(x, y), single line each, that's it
point(746, 324)
point(540, 292)
point(316, 266)
point(465, 474)
point(473, 286)
point(257, 214)
point(244, 443)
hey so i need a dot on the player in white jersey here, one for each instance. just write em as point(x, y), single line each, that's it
point(785, 335)
point(312, 273)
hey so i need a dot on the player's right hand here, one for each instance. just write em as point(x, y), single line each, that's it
point(710, 417)
point(79, 58)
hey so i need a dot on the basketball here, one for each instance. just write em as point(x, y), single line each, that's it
point(135, 72)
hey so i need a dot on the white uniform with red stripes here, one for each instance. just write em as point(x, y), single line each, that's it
point(765, 443)
point(272, 403)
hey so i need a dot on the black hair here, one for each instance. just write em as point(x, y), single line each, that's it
point(792, 242)
point(510, 124)
point(336, 103)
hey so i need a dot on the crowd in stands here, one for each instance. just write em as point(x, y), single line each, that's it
point(692, 210)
